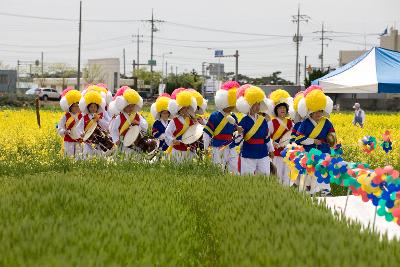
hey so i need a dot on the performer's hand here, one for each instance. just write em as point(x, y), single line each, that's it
point(135, 122)
point(239, 129)
point(67, 132)
point(96, 117)
point(176, 142)
point(118, 143)
point(271, 155)
point(317, 142)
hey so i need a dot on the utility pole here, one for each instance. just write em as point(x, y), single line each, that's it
point(42, 64)
point(322, 38)
point(305, 67)
point(78, 83)
point(176, 70)
point(298, 38)
point(124, 62)
point(166, 68)
point(138, 41)
point(153, 30)
point(237, 65)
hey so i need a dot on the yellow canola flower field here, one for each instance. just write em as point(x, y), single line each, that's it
point(24, 145)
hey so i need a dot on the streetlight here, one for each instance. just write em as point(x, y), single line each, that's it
point(163, 56)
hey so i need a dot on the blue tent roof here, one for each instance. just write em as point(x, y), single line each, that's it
point(385, 67)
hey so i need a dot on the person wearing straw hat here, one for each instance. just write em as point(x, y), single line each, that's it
point(159, 110)
point(316, 129)
point(359, 115)
point(66, 127)
point(92, 106)
point(220, 128)
point(256, 149)
point(126, 107)
point(182, 110)
point(280, 126)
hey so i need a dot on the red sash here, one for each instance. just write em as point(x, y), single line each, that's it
point(179, 127)
point(123, 120)
point(68, 115)
point(276, 124)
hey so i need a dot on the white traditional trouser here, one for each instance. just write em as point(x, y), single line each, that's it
point(282, 170)
point(254, 166)
point(180, 156)
point(73, 149)
point(89, 151)
point(226, 158)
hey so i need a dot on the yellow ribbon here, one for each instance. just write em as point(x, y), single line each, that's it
point(69, 121)
point(127, 123)
point(279, 132)
point(318, 128)
point(254, 128)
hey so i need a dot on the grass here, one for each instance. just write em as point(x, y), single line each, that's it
point(131, 214)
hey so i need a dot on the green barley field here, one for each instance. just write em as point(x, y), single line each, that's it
point(137, 214)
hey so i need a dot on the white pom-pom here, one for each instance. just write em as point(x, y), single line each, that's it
point(83, 106)
point(64, 104)
point(221, 99)
point(173, 107)
point(108, 97)
point(329, 105)
point(270, 107)
point(153, 111)
point(112, 109)
point(120, 103)
point(242, 105)
point(302, 108)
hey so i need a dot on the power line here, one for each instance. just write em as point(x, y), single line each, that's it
point(224, 31)
point(68, 19)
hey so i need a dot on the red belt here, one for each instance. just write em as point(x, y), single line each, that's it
point(256, 141)
point(224, 137)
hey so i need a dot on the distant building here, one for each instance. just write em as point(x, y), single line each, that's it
point(104, 70)
point(346, 56)
point(391, 41)
point(8, 81)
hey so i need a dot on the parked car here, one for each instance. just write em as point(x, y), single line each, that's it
point(33, 91)
point(49, 94)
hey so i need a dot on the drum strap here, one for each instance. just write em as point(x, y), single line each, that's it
point(127, 123)
point(318, 128)
point(180, 133)
point(254, 128)
point(221, 126)
point(70, 123)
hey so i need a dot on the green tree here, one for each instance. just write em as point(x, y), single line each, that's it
point(313, 75)
point(150, 78)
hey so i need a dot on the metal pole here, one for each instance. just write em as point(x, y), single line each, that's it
point(124, 62)
point(237, 65)
point(176, 70)
point(42, 64)
point(137, 56)
point(78, 83)
point(297, 45)
point(305, 68)
point(162, 65)
point(166, 68)
point(322, 48)
point(152, 44)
